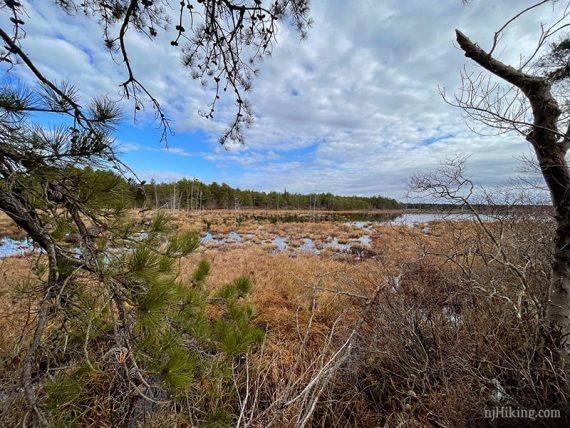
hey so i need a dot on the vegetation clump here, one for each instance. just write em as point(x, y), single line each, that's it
point(134, 338)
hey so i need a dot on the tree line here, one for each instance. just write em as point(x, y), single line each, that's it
point(192, 195)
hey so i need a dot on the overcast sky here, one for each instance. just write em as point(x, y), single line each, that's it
point(354, 109)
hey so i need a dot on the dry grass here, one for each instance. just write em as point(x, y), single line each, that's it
point(9, 228)
point(281, 281)
point(282, 284)
point(16, 280)
point(411, 365)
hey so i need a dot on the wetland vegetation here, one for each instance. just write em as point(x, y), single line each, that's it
point(433, 290)
point(187, 303)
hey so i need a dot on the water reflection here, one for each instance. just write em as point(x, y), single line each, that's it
point(280, 243)
point(413, 219)
point(11, 247)
point(308, 246)
point(361, 221)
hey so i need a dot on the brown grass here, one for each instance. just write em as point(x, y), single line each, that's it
point(411, 366)
point(9, 228)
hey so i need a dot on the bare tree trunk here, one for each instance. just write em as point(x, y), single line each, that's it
point(550, 147)
point(155, 197)
point(25, 217)
point(191, 196)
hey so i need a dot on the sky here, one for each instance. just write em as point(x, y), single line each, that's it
point(353, 109)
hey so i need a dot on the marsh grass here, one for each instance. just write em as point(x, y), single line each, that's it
point(451, 331)
point(9, 228)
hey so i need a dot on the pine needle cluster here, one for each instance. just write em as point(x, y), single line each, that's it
point(135, 337)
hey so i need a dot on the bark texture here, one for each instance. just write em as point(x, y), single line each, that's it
point(550, 147)
point(24, 216)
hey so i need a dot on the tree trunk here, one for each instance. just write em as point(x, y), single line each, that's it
point(558, 312)
point(25, 217)
point(550, 147)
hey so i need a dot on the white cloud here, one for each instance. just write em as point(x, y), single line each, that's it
point(160, 176)
point(246, 159)
point(176, 151)
point(354, 109)
point(127, 147)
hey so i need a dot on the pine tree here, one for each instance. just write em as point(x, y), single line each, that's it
point(116, 327)
point(113, 317)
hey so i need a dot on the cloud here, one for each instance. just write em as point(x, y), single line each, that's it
point(161, 176)
point(246, 159)
point(127, 147)
point(176, 151)
point(354, 109)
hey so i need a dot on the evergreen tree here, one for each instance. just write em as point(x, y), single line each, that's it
point(141, 331)
point(132, 330)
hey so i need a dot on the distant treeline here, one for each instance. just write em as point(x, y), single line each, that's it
point(105, 188)
point(195, 195)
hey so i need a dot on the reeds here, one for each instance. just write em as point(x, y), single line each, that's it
point(430, 329)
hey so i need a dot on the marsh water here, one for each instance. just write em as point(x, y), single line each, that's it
point(279, 243)
point(11, 247)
